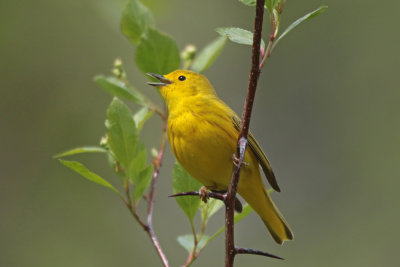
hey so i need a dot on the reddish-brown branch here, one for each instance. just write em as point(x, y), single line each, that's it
point(230, 250)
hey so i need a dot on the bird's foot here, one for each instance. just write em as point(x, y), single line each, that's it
point(236, 161)
point(203, 194)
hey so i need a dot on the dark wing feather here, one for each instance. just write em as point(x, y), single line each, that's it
point(262, 159)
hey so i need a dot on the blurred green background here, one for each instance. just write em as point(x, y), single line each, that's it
point(327, 114)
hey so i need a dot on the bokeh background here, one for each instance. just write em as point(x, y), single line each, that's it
point(327, 114)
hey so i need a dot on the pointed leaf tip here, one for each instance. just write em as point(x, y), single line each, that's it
point(238, 35)
point(85, 172)
point(118, 88)
point(208, 55)
point(296, 23)
point(80, 150)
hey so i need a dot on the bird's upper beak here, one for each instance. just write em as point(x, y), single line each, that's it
point(163, 81)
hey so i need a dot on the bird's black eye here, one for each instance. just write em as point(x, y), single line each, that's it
point(182, 78)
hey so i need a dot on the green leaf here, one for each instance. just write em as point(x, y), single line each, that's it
point(80, 150)
point(187, 242)
point(157, 53)
point(138, 162)
point(91, 176)
point(136, 18)
point(140, 174)
point(248, 2)
point(238, 35)
point(208, 55)
point(183, 182)
point(119, 89)
point(308, 16)
point(141, 117)
point(143, 181)
point(238, 217)
point(122, 135)
point(210, 208)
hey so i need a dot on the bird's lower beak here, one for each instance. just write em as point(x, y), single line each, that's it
point(163, 81)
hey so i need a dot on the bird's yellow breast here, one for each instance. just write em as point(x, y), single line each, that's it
point(203, 139)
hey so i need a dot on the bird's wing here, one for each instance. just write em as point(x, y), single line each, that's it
point(262, 159)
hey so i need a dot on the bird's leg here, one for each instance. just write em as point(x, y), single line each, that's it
point(204, 196)
point(203, 193)
point(236, 161)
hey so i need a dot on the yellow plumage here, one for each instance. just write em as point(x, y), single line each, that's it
point(203, 131)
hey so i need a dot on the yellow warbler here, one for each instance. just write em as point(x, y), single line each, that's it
point(203, 131)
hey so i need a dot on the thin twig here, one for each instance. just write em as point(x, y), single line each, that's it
point(268, 51)
point(274, 21)
point(148, 227)
point(271, 40)
point(192, 255)
point(230, 251)
point(157, 164)
point(134, 213)
point(189, 259)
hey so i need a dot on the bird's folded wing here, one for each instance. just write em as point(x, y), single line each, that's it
point(260, 155)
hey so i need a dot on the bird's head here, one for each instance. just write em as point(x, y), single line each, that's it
point(181, 85)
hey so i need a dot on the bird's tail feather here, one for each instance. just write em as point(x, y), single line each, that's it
point(273, 219)
point(262, 203)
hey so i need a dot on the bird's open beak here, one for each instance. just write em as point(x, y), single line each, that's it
point(163, 81)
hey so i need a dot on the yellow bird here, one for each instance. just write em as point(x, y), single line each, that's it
point(203, 132)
